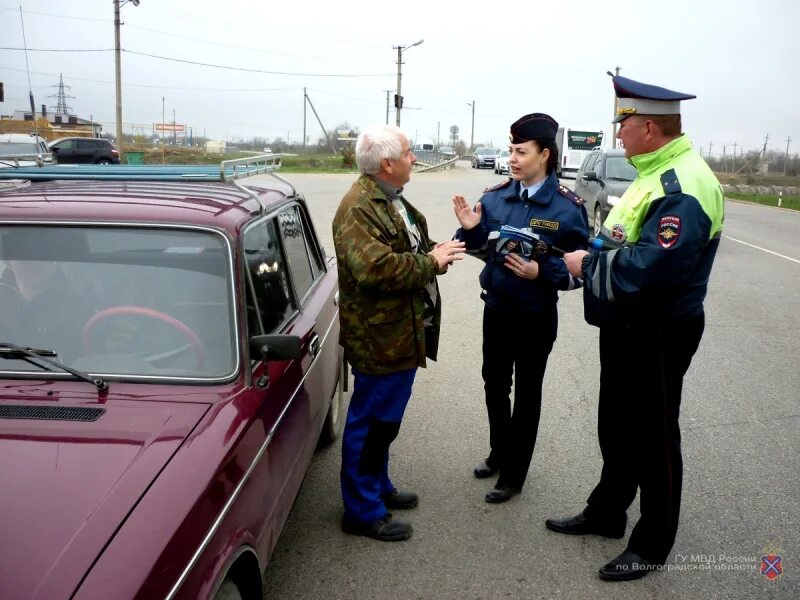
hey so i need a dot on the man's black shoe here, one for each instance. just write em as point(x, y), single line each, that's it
point(626, 567)
point(580, 525)
point(484, 470)
point(501, 494)
point(398, 500)
point(385, 529)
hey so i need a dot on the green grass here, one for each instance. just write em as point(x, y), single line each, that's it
point(305, 163)
point(792, 202)
point(314, 163)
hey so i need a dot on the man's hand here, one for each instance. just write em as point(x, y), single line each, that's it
point(445, 253)
point(527, 269)
point(574, 262)
point(465, 215)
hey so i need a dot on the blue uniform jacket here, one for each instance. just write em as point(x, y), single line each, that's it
point(555, 214)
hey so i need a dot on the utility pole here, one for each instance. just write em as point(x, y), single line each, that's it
point(387, 105)
point(764, 151)
point(174, 131)
point(438, 127)
point(118, 72)
point(616, 106)
point(472, 133)
point(710, 145)
point(163, 148)
point(398, 99)
point(724, 166)
point(786, 156)
point(304, 120)
point(733, 167)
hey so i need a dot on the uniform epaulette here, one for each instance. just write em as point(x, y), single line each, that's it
point(499, 186)
point(570, 195)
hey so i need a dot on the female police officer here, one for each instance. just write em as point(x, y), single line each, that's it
point(520, 284)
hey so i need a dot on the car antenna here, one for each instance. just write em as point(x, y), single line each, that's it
point(30, 87)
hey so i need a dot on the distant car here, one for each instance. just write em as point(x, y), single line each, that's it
point(601, 180)
point(83, 151)
point(24, 150)
point(162, 404)
point(501, 162)
point(484, 157)
point(267, 150)
point(447, 150)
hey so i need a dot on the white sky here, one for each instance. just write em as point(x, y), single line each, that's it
point(739, 58)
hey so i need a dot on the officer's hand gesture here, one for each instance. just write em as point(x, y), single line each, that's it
point(465, 215)
point(527, 269)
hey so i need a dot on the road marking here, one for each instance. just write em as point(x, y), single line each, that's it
point(727, 237)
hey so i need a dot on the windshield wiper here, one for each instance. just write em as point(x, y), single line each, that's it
point(620, 179)
point(36, 357)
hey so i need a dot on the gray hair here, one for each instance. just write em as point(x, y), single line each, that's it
point(377, 143)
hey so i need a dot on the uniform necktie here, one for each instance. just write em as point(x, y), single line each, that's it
point(524, 195)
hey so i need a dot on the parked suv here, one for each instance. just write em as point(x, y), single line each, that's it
point(601, 180)
point(165, 387)
point(484, 157)
point(80, 150)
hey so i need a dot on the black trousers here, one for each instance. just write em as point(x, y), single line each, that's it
point(517, 344)
point(642, 368)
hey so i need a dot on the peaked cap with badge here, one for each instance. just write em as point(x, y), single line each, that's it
point(636, 98)
point(535, 126)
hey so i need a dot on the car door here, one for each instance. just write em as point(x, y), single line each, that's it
point(86, 151)
point(66, 152)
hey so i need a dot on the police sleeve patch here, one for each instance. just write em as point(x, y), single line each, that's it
point(570, 195)
point(499, 186)
point(669, 230)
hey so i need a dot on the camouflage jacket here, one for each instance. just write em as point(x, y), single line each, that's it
point(382, 283)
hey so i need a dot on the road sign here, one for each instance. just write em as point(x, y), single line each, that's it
point(170, 127)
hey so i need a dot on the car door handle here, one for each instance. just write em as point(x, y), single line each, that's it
point(313, 345)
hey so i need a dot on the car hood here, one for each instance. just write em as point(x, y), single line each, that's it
point(617, 188)
point(67, 485)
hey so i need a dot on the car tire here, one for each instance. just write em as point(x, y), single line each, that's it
point(103, 161)
point(334, 419)
point(228, 591)
point(598, 220)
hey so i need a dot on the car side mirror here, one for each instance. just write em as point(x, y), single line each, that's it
point(275, 347)
point(54, 149)
point(590, 176)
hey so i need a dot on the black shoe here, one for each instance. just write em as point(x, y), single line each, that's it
point(484, 470)
point(499, 495)
point(398, 500)
point(385, 529)
point(580, 525)
point(626, 567)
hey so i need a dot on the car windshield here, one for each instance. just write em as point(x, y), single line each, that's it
point(618, 167)
point(504, 154)
point(12, 148)
point(485, 151)
point(119, 301)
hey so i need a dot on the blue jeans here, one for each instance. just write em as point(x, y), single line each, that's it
point(373, 422)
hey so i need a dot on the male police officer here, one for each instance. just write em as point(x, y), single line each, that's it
point(644, 288)
point(389, 312)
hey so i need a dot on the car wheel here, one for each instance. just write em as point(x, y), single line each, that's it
point(598, 221)
point(228, 591)
point(103, 161)
point(334, 420)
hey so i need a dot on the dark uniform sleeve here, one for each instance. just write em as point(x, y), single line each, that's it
point(360, 243)
point(575, 237)
point(673, 235)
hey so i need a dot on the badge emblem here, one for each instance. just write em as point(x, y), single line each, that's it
point(669, 230)
point(771, 566)
point(618, 233)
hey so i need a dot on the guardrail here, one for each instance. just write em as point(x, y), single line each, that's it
point(434, 161)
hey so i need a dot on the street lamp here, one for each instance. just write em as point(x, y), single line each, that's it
point(616, 105)
point(398, 99)
point(472, 133)
point(118, 68)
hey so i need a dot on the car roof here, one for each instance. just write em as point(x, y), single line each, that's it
point(19, 137)
point(205, 195)
point(80, 137)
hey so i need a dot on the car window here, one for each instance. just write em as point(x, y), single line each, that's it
point(12, 148)
point(291, 227)
point(268, 274)
point(86, 144)
point(618, 167)
point(588, 163)
point(65, 145)
point(123, 301)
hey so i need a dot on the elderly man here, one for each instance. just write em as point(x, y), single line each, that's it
point(389, 312)
point(644, 288)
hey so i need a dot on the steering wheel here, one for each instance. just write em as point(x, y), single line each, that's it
point(142, 311)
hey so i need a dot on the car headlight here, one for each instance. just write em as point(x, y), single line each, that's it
point(612, 200)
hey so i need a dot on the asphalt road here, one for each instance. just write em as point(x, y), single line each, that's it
point(741, 444)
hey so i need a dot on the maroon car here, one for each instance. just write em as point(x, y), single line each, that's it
point(170, 362)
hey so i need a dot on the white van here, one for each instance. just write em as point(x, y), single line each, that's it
point(423, 147)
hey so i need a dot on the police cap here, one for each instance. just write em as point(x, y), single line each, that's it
point(636, 98)
point(535, 126)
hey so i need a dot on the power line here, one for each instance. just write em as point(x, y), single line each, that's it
point(58, 49)
point(36, 12)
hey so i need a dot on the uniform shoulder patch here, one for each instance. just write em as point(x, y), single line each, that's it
point(499, 186)
point(570, 195)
